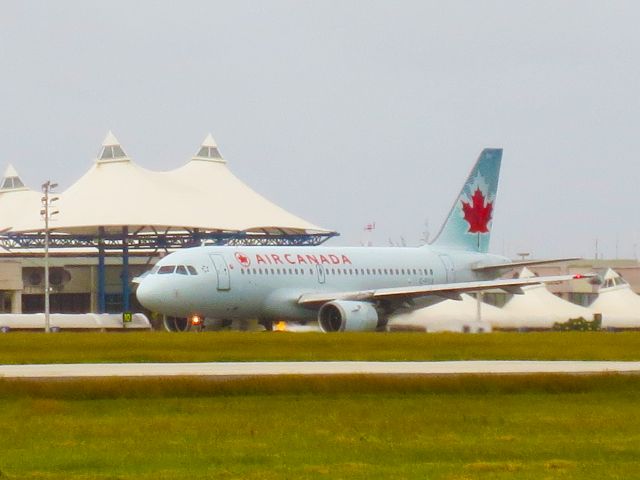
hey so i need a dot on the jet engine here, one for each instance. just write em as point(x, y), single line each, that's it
point(346, 315)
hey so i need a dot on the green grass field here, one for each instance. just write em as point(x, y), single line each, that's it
point(529, 427)
point(351, 427)
point(239, 346)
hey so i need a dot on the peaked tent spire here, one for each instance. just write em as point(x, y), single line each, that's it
point(610, 279)
point(526, 273)
point(209, 151)
point(111, 150)
point(611, 273)
point(11, 180)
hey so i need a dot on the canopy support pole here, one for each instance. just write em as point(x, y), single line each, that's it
point(126, 290)
point(101, 273)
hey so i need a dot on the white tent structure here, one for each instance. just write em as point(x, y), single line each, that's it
point(119, 206)
point(203, 194)
point(450, 316)
point(538, 308)
point(16, 200)
point(618, 304)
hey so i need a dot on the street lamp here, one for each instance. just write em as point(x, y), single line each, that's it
point(47, 214)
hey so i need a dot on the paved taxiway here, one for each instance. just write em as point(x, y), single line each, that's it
point(311, 368)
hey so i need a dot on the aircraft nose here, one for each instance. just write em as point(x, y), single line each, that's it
point(149, 297)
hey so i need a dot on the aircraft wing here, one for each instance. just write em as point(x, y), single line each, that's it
point(522, 263)
point(445, 290)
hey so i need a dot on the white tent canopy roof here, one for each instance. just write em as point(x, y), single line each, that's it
point(539, 308)
point(618, 304)
point(451, 315)
point(117, 192)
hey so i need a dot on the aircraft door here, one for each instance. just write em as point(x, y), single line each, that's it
point(321, 274)
point(449, 269)
point(222, 270)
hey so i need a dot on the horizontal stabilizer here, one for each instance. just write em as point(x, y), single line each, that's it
point(522, 263)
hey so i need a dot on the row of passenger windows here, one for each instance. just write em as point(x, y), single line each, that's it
point(338, 271)
point(179, 269)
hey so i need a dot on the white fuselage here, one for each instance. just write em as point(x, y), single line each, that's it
point(265, 282)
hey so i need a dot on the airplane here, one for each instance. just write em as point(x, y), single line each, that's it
point(343, 288)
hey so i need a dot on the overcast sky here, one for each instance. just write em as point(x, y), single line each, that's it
point(347, 112)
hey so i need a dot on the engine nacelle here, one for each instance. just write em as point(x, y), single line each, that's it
point(346, 315)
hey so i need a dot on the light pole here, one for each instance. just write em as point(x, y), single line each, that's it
point(47, 214)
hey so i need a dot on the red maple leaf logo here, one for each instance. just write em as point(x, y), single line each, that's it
point(243, 259)
point(476, 213)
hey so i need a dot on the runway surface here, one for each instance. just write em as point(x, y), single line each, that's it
point(311, 368)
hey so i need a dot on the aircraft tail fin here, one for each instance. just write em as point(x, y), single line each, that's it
point(468, 226)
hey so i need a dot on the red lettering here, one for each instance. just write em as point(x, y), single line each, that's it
point(286, 257)
point(346, 260)
point(312, 259)
point(324, 259)
point(335, 260)
point(276, 258)
point(259, 259)
point(301, 259)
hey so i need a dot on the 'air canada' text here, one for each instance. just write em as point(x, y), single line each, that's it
point(296, 259)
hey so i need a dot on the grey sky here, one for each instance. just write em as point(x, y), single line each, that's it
point(347, 112)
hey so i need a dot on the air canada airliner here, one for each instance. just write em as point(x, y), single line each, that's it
point(343, 288)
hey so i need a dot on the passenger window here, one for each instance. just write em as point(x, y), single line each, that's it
point(242, 271)
point(165, 269)
point(181, 270)
point(192, 270)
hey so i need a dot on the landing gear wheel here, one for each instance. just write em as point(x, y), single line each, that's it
point(176, 324)
point(267, 324)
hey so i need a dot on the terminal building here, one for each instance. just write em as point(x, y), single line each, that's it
point(118, 219)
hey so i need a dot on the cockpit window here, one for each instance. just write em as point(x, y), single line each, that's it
point(192, 270)
point(154, 270)
point(165, 269)
point(181, 270)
